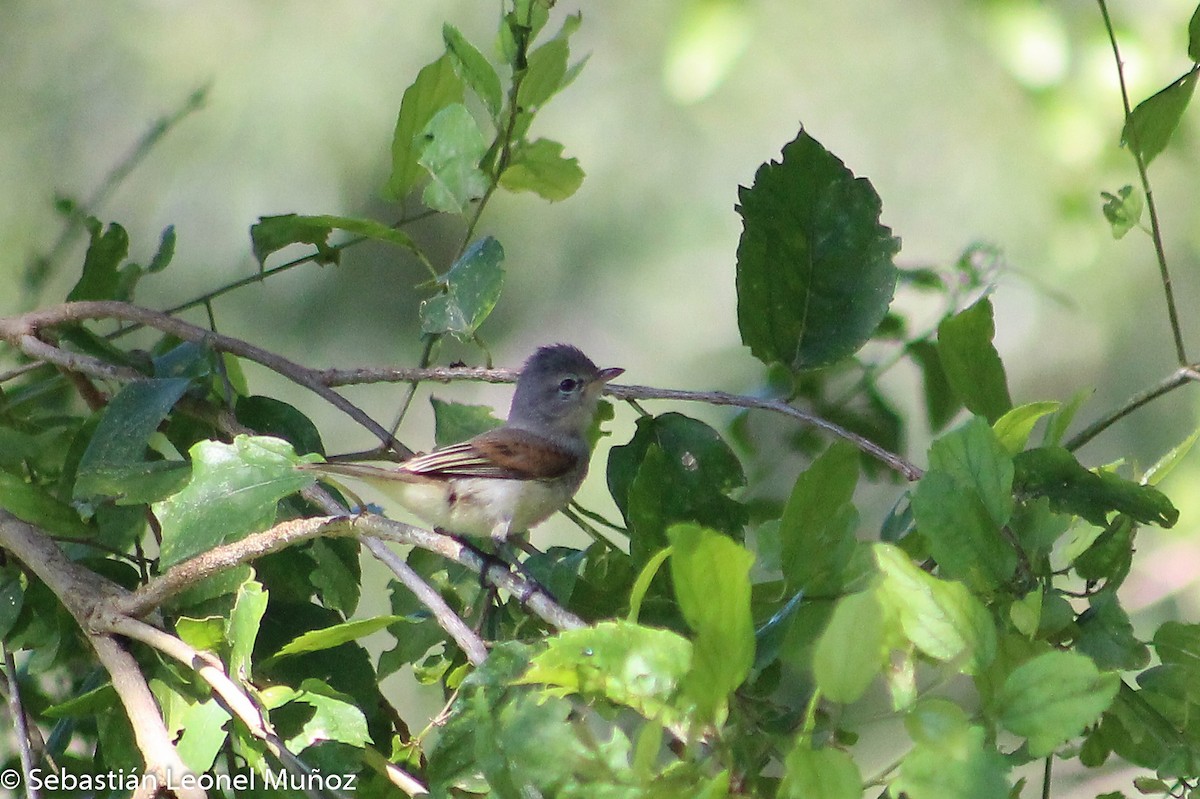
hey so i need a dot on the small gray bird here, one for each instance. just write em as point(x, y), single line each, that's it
point(513, 477)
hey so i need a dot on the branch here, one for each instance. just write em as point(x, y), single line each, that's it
point(1182, 376)
point(20, 330)
point(20, 722)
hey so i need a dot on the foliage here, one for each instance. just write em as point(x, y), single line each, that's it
point(723, 638)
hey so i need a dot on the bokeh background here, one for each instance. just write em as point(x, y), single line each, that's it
point(994, 122)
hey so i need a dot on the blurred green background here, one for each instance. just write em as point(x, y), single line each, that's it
point(993, 122)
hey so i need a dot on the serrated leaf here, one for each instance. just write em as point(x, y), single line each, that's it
point(820, 774)
point(971, 362)
point(234, 491)
point(1123, 210)
point(639, 667)
point(539, 167)
point(101, 279)
point(1179, 644)
point(815, 271)
point(850, 652)
point(941, 618)
point(1054, 473)
point(818, 523)
point(338, 634)
point(962, 537)
point(1052, 697)
point(452, 146)
point(711, 576)
point(469, 291)
point(124, 429)
point(474, 68)
point(1106, 635)
point(335, 717)
point(273, 233)
point(974, 458)
point(1153, 121)
point(454, 421)
point(437, 86)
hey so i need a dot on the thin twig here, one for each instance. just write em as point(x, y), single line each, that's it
point(20, 722)
point(1179, 377)
point(1155, 228)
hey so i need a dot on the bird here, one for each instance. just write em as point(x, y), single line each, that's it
point(513, 477)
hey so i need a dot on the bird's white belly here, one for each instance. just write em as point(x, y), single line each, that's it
point(482, 506)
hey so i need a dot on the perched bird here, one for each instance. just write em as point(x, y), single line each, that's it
point(512, 477)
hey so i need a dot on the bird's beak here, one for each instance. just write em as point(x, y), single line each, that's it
point(611, 373)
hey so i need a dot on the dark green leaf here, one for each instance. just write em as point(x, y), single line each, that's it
point(271, 417)
point(1109, 556)
point(941, 403)
point(674, 469)
point(138, 483)
point(124, 429)
point(971, 363)
point(1122, 210)
point(1149, 127)
point(474, 68)
point(1053, 472)
point(851, 652)
point(815, 274)
point(1052, 697)
point(101, 278)
point(455, 422)
point(820, 774)
point(540, 167)
point(1179, 644)
point(33, 504)
point(273, 233)
point(452, 148)
point(12, 596)
point(165, 252)
point(338, 574)
point(974, 458)
point(626, 663)
point(711, 575)
point(469, 291)
point(962, 538)
point(1194, 35)
point(818, 524)
point(437, 86)
point(1106, 635)
point(233, 492)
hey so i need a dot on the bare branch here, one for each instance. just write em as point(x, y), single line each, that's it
point(20, 723)
point(1180, 377)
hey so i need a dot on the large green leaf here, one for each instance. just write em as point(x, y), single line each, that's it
point(851, 651)
point(817, 528)
point(959, 764)
point(820, 774)
point(971, 362)
point(32, 503)
point(711, 575)
point(469, 291)
point(539, 167)
point(437, 86)
point(975, 459)
point(272, 233)
point(452, 148)
point(1054, 473)
point(332, 715)
point(1149, 127)
point(815, 273)
point(474, 68)
point(454, 421)
point(963, 538)
point(1052, 697)
point(234, 491)
point(101, 279)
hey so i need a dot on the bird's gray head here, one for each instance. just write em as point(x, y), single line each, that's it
point(558, 390)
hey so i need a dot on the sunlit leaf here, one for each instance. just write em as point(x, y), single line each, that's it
point(1013, 428)
point(452, 148)
point(539, 167)
point(820, 774)
point(850, 653)
point(1154, 120)
point(329, 637)
point(1052, 697)
point(469, 291)
point(437, 86)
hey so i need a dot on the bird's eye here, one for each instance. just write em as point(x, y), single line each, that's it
point(569, 385)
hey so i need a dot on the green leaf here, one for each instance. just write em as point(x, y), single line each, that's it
point(544, 75)
point(437, 86)
point(165, 252)
point(972, 364)
point(455, 421)
point(851, 651)
point(241, 628)
point(1123, 210)
point(206, 634)
point(1167, 463)
point(233, 492)
point(334, 715)
point(138, 483)
point(818, 523)
point(329, 637)
point(820, 774)
point(1051, 698)
point(941, 403)
point(271, 417)
point(711, 576)
point(674, 469)
point(1179, 644)
point(89, 703)
point(1014, 427)
point(469, 291)
point(101, 279)
point(338, 574)
point(124, 429)
point(1149, 127)
point(1106, 635)
point(815, 272)
point(539, 167)
point(942, 619)
point(642, 584)
point(452, 148)
point(1054, 473)
point(474, 69)
point(37, 506)
point(962, 536)
point(273, 233)
point(12, 597)
point(961, 766)
point(1194, 35)
point(639, 667)
point(1057, 426)
point(975, 459)
point(203, 734)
